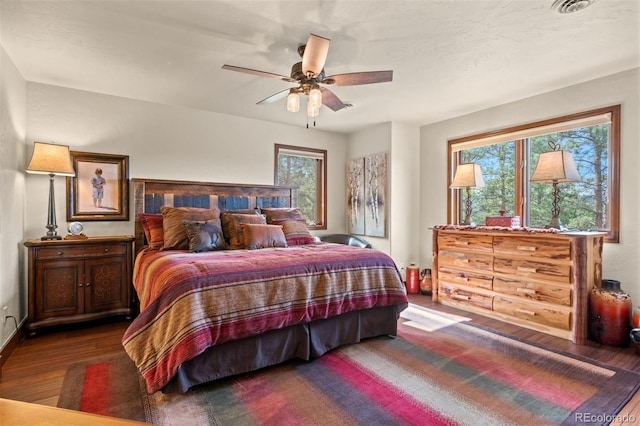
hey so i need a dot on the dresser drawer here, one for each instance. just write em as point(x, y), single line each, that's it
point(541, 292)
point(452, 276)
point(532, 269)
point(67, 252)
point(537, 313)
point(463, 260)
point(480, 243)
point(558, 248)
point(462, 296)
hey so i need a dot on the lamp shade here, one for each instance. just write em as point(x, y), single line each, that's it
point(555, 166)
point(468, 175)
point(49, 158)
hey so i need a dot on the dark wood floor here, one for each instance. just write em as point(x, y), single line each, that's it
point(35, 370)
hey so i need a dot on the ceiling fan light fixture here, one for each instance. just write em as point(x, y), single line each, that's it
point(312, 110)
point(315, 55)
point(315, 96)
point(293, 101)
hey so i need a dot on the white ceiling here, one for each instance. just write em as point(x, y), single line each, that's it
point(449, 57)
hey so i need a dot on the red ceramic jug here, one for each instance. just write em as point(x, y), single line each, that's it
point(413, 279)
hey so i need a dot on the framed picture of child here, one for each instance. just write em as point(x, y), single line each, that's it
point(100, 188)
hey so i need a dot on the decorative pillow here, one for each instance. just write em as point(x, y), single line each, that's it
point(205, 236)
point(231, 227)
point(175, 234)
point(276, 216)
point(152, 226)
point(296, 233)
point(262, 236)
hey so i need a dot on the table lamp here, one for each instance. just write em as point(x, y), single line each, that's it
point(52, 160)
point(555, 167)
point(468, 175)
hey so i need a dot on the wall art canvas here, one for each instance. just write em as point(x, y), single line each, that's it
point(355, 196)
point(375, 170)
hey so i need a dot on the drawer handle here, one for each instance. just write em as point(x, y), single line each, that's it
point(80, 285)
point(526, 290)
point(527, 270)
point(461, 243)
point(527, 248)
point(462, 278)
point(60, 253)
point(461, 297)
point(106, 250)
point(87, 284)
point(462, 260)
point(526, 312)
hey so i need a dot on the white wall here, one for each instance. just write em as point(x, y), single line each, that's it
point(373, 140)
point(401, 143)
point(621, 261)
point(12, 188)
point(404, 200)
point(164, 142)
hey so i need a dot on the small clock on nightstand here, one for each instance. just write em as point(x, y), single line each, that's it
point(75, 231)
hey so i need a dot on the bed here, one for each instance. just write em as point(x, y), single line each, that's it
point(209, 314)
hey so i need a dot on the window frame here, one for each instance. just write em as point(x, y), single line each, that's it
point(321, 182)
point(521, 181)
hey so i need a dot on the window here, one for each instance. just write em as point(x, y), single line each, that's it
point(508, 158)
point(305, 168)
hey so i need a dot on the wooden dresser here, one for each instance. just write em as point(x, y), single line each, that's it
point(537, 280)
point(79, 280)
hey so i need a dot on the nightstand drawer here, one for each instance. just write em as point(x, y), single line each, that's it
point(66, 252)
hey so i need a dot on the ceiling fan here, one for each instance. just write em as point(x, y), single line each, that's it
point(309, 75)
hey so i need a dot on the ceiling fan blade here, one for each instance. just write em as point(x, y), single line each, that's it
point(331, 100)
point(356, 78)
point(315, 54)
point(274, 97)
point(258, 73)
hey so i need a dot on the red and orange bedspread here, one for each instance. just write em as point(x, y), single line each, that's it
point(191, 301)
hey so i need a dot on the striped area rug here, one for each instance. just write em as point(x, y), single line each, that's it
point(440, 370)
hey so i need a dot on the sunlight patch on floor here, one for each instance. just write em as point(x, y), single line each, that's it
point(427, 319)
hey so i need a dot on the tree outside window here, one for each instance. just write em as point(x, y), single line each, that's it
point(305, 168)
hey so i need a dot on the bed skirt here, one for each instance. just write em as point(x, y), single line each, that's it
point(303, 341)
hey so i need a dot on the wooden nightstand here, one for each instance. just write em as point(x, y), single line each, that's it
point(79, 280)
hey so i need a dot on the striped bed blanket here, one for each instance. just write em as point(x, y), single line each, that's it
point(191, 301)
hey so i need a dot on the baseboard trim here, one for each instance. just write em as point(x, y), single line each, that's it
point(8, 349)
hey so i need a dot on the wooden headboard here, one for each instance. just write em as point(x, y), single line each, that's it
point(151, 194)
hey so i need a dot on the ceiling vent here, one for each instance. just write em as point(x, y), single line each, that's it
point(571, 6)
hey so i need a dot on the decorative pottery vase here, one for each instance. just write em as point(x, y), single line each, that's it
point(413, 279)
point(610, 314)
point(426, 283)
